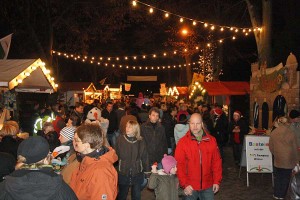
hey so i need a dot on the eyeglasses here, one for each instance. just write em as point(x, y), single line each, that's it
point(76, 140)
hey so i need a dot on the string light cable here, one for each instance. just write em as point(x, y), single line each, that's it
point(194, 22)
point(165, 54)
point(131, 67)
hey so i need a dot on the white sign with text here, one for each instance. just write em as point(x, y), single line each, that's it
point(258, 155)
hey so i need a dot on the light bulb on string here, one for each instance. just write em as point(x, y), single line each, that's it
point(181, 20)
point(151, 10)
point(134, 3)
point(166, 15)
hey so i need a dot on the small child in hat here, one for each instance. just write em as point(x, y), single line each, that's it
point(164, 181)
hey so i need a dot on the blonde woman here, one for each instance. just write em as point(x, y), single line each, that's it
point(133, 160)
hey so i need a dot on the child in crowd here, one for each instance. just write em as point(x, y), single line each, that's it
point(62, 153)
point(133, 160)
point(164, 181)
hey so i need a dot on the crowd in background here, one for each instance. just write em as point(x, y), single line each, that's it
point(117, 145)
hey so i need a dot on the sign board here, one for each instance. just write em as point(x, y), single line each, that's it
point(258, 155)
point(141, 78)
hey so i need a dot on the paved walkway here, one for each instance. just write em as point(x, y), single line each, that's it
point(233, 187)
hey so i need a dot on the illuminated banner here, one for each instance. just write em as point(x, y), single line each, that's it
point(141, 78)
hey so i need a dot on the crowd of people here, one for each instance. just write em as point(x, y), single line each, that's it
point(100, 151)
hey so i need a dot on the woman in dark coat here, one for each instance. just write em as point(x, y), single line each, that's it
point(133, 161)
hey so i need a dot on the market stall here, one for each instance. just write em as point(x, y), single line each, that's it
point(24, 82)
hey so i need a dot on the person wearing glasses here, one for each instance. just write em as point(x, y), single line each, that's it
point(95, 177)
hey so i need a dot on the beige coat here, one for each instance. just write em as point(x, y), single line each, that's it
point(283, 145)
point(68, 169)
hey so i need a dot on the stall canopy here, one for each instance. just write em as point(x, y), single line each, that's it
point(26, 75)
point(226, 88)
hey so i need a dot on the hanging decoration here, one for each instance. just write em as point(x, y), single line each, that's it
point(127, 87)
point(197, 78)
point(173, 92)
point(196, 89)
point(245, 30)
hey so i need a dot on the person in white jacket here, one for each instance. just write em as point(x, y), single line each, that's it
point(181, 128)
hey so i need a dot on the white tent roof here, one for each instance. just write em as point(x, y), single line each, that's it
point(26, 75)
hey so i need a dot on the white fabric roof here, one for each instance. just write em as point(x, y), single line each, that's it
point(12, 68)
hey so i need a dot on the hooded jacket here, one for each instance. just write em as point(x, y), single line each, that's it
point(96, 178)
point(198, 163)
point(41, 184)
point(180, 130)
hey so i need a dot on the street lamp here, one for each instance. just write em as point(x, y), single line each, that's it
point(184, 32)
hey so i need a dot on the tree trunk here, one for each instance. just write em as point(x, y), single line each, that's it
point(35, 39)
point(50, 35)
point(188, 69)
point(263, 38)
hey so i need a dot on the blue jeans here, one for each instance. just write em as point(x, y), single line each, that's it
point(112, 138)
point(281, 181)
point(207, 194)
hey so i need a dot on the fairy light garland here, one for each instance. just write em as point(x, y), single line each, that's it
point(245, 30)
point(29, 70)
point(128, 67)
point(165, 54)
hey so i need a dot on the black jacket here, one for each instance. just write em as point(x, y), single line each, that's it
point(113, 120)
point(40, 184)
point(156, 141)
point(10, 145)
point(133, 156)
point(220, 131)
point(169, 123)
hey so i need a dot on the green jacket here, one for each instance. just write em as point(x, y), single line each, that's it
point(165, 186)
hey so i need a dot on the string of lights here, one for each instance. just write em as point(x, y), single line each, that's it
point(165, 54)
point(127, 67)
point(194, 22)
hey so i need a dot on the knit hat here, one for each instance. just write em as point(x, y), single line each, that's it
point(294, 114)
point(238, 113)
point(34, 149)
point(168, 162)
point(218, 111)
point(68, 132)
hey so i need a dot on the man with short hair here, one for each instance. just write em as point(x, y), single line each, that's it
point(110, 114)
point(78, 110)
point(154, 135)
point(199, 165)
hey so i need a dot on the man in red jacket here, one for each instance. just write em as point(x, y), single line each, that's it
point(199, 165)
